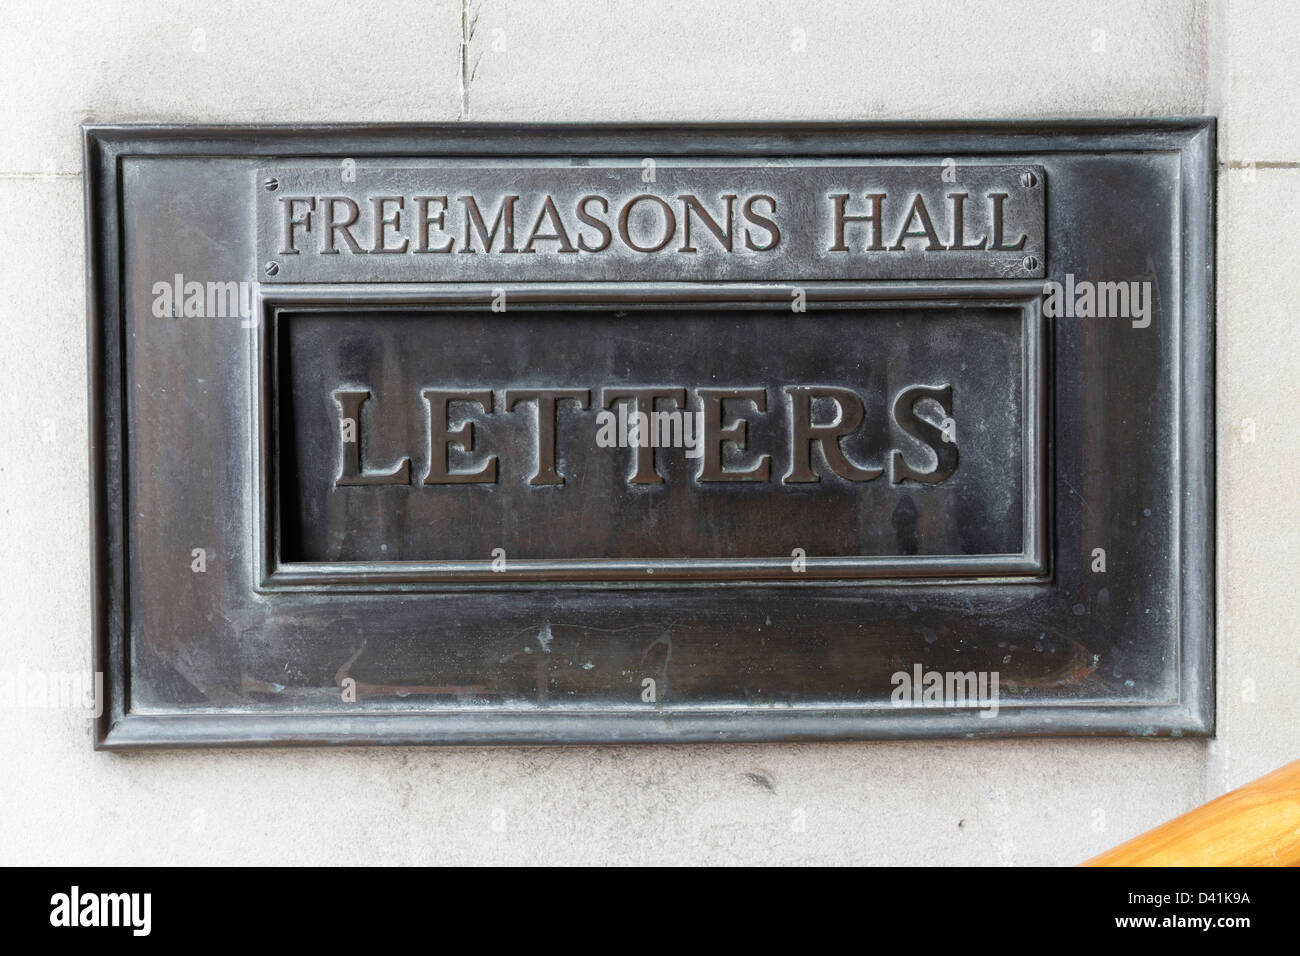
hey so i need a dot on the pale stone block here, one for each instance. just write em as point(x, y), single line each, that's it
point(63, 63)
point(1025, 801)
point(1258, 515)
point(633, 60)
point(1254, 89)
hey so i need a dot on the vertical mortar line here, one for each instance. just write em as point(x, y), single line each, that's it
point(1218, 94)
point(464, 59)
point(1214, 755)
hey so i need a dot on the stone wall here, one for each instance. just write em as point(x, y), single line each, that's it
point(1012, 802)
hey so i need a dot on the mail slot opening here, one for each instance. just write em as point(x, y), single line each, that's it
point(882, 441)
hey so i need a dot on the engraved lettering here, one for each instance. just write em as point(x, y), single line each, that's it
point(426, 220)
point(805, 434)
point(503, 221)
point(558, 234)
point(843, 218)
point(669, 227)
point(926, 433)
point(442, 437)
point(918, 211)
point(292, 222)
point(383, 221)
point(716, 435)
point(352, 471)
point(997, 245)
point(644, 400)
point(693, 208)
point(335, 226)
point(547, 400)
point(765, 223)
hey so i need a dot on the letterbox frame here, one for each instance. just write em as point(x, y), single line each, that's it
point(1188, 709)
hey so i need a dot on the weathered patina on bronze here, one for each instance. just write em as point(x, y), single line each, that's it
point(556, 434)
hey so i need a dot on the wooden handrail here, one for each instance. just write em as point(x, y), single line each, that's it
point(1258, 825)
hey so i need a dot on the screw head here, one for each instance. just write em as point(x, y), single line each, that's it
point(1028, 179)
point(271, 184)
point(271, 268)
point(1030, 263)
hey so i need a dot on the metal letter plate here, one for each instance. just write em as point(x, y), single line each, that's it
point(543, 434)
point(795, 194)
